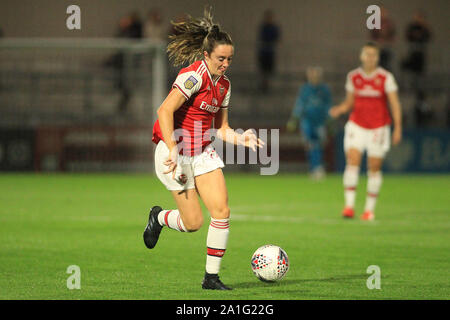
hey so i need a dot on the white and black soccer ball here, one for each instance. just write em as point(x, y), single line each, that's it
point(270, 263)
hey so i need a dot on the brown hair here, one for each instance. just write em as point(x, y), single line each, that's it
point(194, 36)
point(371, 44)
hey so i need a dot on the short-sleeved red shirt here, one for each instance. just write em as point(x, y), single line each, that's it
point(204, 98)
point(370, 108)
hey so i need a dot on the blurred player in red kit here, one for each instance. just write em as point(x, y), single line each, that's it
point(369, 91)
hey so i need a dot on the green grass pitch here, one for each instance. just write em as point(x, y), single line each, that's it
point(48, 222)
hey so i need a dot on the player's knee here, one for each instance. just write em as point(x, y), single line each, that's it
point(353, 161)
point(375, 166)
point(221, 213)
point(353, 157)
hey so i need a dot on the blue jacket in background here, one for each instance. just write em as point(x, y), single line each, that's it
point(312, 105)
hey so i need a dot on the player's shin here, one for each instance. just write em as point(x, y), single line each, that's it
point(216, 243)
point(171, 219)
point(375, 179)
point(350, 181)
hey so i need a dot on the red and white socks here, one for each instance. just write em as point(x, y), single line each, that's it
point(350, 180)
point(171, 219)
point(216, 243)
point(374, 181)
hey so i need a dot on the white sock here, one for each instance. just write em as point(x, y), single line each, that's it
point(374, 181)
point(172, 219)
point(350, 180)
point(216, 244)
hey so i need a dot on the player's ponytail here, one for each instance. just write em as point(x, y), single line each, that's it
point(193, 37)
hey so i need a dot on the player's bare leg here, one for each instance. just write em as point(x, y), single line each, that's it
point(188, 217)
point(350, 180)
point(212, 190)
point(374, 181)
point(189, 210)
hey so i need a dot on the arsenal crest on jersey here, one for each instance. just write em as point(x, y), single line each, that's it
point(221, 90)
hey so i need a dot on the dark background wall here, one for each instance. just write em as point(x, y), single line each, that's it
point(310, 28)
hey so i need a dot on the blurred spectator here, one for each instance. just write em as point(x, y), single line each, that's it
point(384, 37)
point(269, 35)
point(130, 27)
point(153, 26)
point(310, 114)
point(418, 34)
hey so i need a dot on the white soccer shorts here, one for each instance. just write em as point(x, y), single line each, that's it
point(375, 141)
point(187, 168)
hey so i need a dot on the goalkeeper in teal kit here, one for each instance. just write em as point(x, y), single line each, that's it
point(310, 114)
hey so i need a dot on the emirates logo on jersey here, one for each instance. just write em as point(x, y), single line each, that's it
point(209, 108)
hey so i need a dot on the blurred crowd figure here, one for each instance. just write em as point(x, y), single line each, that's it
point(310, 114)
point(384, 38)
point(153, 26)
point(268, 37)
point(129, 27)
point(418, 35)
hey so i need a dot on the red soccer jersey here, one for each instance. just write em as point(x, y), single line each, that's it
point(370, 108)
point(204, 98)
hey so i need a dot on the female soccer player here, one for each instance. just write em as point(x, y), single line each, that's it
point(369, 88)
point(185, 161)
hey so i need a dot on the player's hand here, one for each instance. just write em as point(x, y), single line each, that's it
point(249, 139)
point(335, 111)
point(291, 125)
point(172, 161)
point(396, 136)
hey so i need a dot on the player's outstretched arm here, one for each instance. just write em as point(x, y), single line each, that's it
point(344, 107)
point(227, 134)
point(396, 111)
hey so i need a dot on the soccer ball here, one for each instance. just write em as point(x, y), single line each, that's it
point(270, 263)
